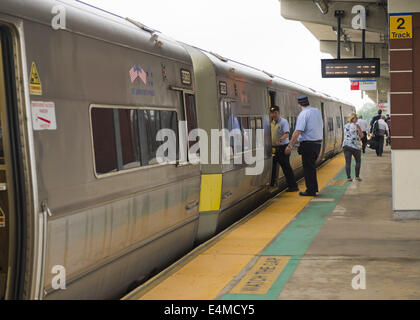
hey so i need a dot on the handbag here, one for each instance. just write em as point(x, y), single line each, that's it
point(373, 143)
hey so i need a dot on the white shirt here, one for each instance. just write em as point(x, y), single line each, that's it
point(363, 124)
point(310, 123)
point(382, 125)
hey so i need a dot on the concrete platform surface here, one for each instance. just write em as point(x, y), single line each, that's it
point(361, 231)
point(342, 244)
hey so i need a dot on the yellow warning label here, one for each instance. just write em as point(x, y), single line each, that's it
point(35, 87)
point(262, 275)
point(401, 26)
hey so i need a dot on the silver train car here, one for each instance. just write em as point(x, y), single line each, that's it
point(86, 209)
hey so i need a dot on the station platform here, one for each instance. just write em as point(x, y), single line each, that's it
point(297, 247)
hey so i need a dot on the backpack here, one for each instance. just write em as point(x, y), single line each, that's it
point(375, 128)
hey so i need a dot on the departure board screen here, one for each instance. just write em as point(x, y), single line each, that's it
point(351, 68)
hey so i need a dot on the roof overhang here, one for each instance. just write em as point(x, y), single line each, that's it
point(318, 17)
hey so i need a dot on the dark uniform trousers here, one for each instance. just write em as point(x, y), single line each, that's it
point(380, 148)
point(310, 152)
point(284, 161)
point(364, 141)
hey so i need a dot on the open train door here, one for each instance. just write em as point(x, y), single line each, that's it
point(324, 133)
point(342, 126)
point(12, 200)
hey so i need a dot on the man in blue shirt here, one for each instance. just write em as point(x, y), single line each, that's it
point(279, 139)
point(309, 132)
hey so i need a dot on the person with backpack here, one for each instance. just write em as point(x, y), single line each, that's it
point(380, 131)
point(388, 122)
point(375, 118)
point(363, 124)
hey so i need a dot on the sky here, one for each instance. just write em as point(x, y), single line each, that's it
point(248, 31)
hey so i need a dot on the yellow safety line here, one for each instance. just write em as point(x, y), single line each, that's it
point(204, 276)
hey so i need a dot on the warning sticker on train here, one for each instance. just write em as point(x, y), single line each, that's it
point(43, 115)
point(35, 86)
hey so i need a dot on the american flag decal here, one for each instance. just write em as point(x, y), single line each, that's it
point(142, 74)
point(138, 72)
point(133, 73)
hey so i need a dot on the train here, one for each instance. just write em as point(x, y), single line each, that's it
point(86, 209)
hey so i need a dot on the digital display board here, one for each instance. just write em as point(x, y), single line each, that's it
point(351, 68)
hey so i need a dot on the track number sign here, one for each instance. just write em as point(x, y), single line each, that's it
point(401, 26)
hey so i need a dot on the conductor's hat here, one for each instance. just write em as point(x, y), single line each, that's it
point(274, 108)
point(303, 101)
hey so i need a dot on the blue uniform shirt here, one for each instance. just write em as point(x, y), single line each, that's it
point(310, 123)
point(278, 129)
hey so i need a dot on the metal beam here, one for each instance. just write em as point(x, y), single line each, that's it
point(306, 10)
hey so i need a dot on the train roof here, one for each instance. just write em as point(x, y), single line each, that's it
point(92, 22)
point(224, 66)
point(89, 21)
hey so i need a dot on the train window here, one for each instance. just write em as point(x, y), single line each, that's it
point(236, 137)
point(232, 122)
point(292, 124)
point(290, 120)
point(169, 120)
point(156, 120)
point(126, 138)
point(129, 132)
point(152, 120)
point(227, 123)
point(338, 122)
point(104, 140)
point(272, 98)
point(259, 123)
point(252, 126)
point(244, 126)
point(330, 124)
point(191, 114)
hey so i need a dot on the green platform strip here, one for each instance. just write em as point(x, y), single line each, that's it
point(296, 239)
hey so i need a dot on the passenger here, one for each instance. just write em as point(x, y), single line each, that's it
point(377, 117)
point(388, 122)
point(280, 139)
point(382, 130)
point(351, 145)
point(365, 128)
point(309, 132)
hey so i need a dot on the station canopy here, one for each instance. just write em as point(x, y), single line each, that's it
point(318, 16)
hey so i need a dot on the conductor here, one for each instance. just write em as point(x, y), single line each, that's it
point(309, 132)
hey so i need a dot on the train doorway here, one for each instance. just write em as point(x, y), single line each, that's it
point(12, 200)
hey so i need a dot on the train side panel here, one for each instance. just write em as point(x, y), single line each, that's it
point(104, 223)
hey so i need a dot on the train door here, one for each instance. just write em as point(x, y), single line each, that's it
point(340, 118)
point(324, 140)
point(272, 103)
point(12, 201)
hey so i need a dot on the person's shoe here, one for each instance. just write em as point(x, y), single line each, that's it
point(358, 179)
point(307, 194)
point(349, 179)
point(295, 189)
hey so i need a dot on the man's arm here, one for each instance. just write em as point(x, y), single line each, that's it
point(292, 142)
point(283, 137)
